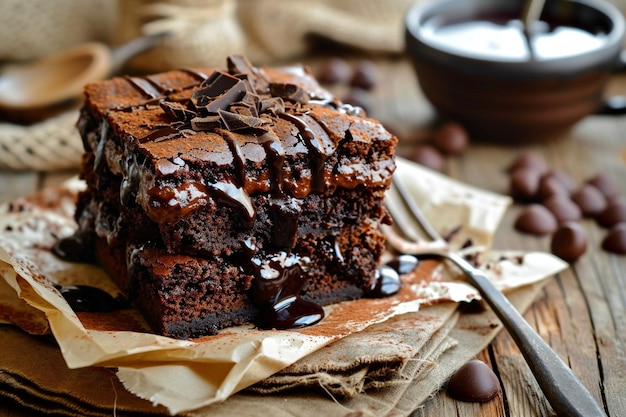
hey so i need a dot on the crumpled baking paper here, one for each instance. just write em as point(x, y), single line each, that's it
point(184, 375)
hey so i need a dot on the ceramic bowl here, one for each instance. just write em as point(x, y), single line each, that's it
point(474, 64)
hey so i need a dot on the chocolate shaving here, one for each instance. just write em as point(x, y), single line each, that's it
point(291, 92)
point(228, 101)
point(176, 111)
point(241, 67)
point(273, 105)
point(235, 122)
point(207, 123)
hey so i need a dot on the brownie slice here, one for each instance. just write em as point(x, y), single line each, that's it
point(220, 197)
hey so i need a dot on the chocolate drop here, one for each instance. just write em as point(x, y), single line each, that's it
point(474, 382)
point(335, 71)
point(290, 313)
point(537, 220)
point(365, 75)
point(615, 240)
point(532, 160)
point(387, 282)
point(613, 214)
point(590, 200)
point(569, 242)
point(563, 208)
point(524, 183)
point(606, 184)
point(428, 156)
point(403, 264)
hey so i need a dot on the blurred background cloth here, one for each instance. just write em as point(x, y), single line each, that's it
point(203, 34)
point(204, 31)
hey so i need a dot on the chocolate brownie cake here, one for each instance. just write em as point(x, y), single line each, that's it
point(216, 198)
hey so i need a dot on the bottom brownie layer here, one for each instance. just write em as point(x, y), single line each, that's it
point(184, 297)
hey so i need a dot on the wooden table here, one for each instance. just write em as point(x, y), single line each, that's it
point(581, 312)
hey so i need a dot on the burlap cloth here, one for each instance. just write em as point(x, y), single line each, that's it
point(33, 372)
point(204, 32)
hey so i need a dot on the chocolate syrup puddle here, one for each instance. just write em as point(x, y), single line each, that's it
point(75, 248)
point(87, 299)
point(279, 281)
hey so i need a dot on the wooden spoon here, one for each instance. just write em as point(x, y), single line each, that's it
point(32, 88)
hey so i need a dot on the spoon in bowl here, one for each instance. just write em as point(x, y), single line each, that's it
point(31, 91)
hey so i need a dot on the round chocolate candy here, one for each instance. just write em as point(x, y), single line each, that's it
point(450, 138)
point(550, 185)
point(564, 178)
point(563, 208)
point(569, 242)
point(474, 382)
point(428, 156)
point(590, 200)
point(524, 183)
point(613, 214)
point(606, 184)
point(335, 71)
point(532, 160)
point(615, 239)
point(537, 220)
point(365, 75)
point(359, 97)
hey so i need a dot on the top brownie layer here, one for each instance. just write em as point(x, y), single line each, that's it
point(182, 138)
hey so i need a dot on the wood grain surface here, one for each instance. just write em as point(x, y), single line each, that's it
point(581, 312)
